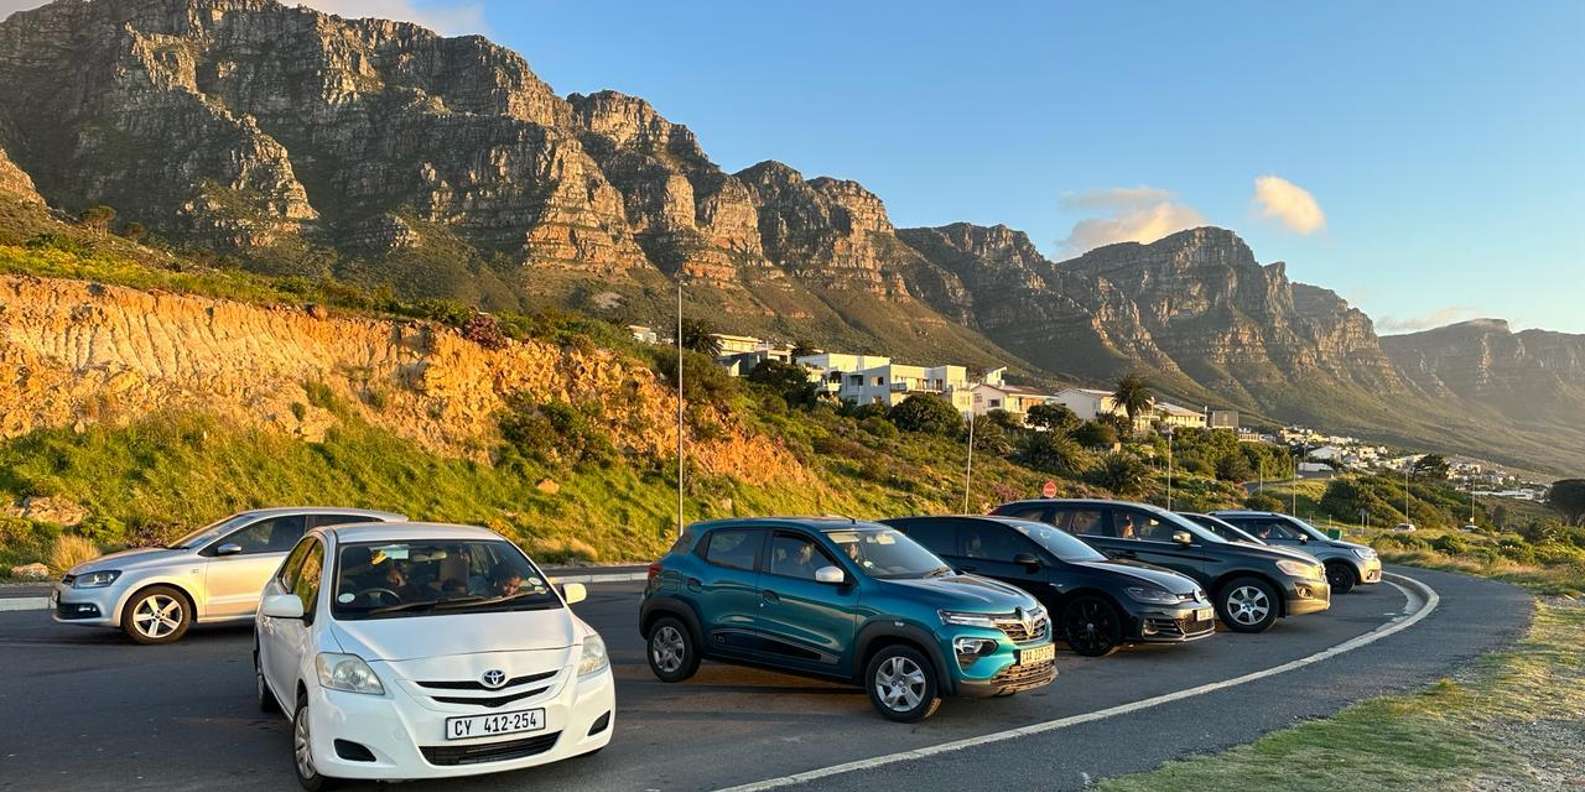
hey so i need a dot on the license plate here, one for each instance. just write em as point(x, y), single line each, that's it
point(1204, 614)
point(491, 725)
point(1039, 654)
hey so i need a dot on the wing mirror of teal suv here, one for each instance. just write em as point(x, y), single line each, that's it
point(843, 600)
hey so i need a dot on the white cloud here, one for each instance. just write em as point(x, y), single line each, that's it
point(1440, 317)
point(1289, 204)
point(449, 18)
point(1129, 214)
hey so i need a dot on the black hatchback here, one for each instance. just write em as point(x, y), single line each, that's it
point(1251, 586)
point(1096, 604)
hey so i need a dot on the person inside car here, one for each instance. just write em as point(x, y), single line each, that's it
point(507, 581)
point(1125, 527)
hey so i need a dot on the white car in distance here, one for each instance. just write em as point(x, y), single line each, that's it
point(418, 650)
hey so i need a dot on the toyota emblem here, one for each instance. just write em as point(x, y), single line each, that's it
point(494, 678)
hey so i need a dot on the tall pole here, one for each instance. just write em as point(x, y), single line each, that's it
point(1169, 468)
point(968, 473)
point(679, 404)
point(1294, 509)
point(1406, 466)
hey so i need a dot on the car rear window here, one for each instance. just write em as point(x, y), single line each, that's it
point(734, 548)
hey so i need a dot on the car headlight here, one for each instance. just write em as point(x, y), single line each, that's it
point(967, 619)
point(594, 659)
point(96, 579)
point(1365, 553)
point(1300, 569)
point(347, 672)
point(1152, 595)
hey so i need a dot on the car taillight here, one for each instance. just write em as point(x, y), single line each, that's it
point(654, 569)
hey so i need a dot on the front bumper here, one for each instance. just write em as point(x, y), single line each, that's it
point(1370, 570)
point(94, 607)
point(1178, 624)
point(1307, 596)
point(1001, 671)
point(405, 738)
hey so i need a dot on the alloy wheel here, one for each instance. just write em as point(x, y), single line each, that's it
point(668, 649)
point(1089, 626)
point(301, 749)
point(1248, 605)
point(900, 684)
point(157, 616)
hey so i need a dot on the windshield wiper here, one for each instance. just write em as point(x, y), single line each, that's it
point(939, 571)
point(483, 601)
point(407, 606)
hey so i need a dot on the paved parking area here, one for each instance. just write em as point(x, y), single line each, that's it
point(86, 710)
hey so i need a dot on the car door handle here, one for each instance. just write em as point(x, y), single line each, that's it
point(769, 597)
point(694, 584)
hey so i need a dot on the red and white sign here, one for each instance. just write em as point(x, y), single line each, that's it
point(1048, 489)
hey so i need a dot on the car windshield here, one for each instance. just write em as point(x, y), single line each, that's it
point(376, 580)
point(1059, 543)
point(885, 553)
point(1314, 532)
point(1179, 522)
point(210, 532)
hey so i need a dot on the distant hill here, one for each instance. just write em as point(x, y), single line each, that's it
point(294, 142)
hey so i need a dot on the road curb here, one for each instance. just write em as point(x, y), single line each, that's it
point(1429, 602)
point(43, 603)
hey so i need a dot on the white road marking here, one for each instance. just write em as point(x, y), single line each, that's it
point(1402, 622)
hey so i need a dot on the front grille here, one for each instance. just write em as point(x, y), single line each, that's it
point(1019, 631)
point(474, 684)
point(1186, 627)
point(452, 755)
point(490, 701)
point(1024, 677)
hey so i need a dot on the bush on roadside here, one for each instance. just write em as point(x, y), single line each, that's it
point(1261, 501)
point(69, 551)
point(926, 414)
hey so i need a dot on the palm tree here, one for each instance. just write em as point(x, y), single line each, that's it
point(699, 336)
point(1134, 396)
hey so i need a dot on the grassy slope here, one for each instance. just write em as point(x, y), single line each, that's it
point(1478, 730)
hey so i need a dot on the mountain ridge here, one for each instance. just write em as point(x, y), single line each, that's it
point(297, 142)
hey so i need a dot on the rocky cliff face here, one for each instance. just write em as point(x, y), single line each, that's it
point(1530, 374)
point(74, 352)
point(15, 184)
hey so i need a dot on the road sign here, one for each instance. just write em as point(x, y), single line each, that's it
point(1048, 489)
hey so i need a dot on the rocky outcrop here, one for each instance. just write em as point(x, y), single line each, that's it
point(73, 353)
point(1525, 375)
point(15, 184)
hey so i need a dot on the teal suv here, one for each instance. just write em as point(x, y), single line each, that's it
point(845, 600)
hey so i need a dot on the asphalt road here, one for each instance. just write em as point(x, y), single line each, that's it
point(85, 710)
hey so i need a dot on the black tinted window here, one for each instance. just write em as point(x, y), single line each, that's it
point(1036, 513)
point(938, 536)
point(294, 564)
point(795, 556)
point(1271, 529)
point(319, 520)
point(275, 535)
point(735, 548)
point(306, 586)
point(991, 541)
point(1128, 524)
point(1082, 522)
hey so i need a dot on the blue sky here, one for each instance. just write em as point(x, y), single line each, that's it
point(1444, 142)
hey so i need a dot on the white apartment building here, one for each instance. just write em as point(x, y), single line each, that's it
point(1013, 399)
point(875, 379)
point(1178, 417)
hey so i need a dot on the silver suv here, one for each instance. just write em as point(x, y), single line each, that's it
point(213, 574)
point(1348, 564)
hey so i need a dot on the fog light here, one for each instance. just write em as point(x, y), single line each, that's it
point(972, 649)
point(1147, 628)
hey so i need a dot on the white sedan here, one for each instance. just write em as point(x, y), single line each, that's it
point(414, 650)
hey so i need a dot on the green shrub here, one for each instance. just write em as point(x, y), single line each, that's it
point(927, 414)
point(1452, 544)
point(1122, 473)
point(554, 431)
point(1095, 434)
point(879, 426)
point(1052, 452)
point(101, 529)
point(1260, 501)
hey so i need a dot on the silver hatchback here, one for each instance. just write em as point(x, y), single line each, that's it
point(214, 574)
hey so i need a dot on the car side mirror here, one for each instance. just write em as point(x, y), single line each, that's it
point(1029, 561)
point(1183, 537)
point(574, 593)
point(229, 548)
point(1304, 538)
point(830, 574)
point(282, 606)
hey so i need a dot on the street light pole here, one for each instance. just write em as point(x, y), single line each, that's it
point(679, 404)
point(1169, 468)
point(968, 473)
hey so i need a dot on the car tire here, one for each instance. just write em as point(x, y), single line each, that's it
point(308, 776)
point(157, 615)
point(670, 648)
point(1248, 605)
point(1341, 577)
point(902, 684)
point(267, 702)
point(1092, 626)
